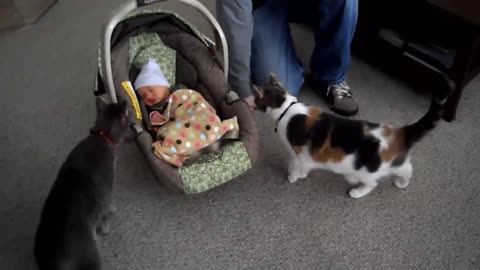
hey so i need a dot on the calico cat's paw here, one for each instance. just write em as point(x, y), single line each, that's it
point(401, 182)
point(354, 193)
point(292, 178)
point(361, 191)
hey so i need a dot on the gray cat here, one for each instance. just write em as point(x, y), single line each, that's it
point(79, 202)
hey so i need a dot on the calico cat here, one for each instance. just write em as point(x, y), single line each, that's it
point(361, 151)
point(79, 202)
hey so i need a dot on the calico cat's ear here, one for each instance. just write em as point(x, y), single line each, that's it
point(274, 80)
point(258, 91)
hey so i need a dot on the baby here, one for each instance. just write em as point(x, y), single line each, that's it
point(184, 121)
point(152, 86)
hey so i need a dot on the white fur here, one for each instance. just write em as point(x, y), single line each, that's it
point(377, 133)
point(301, 164)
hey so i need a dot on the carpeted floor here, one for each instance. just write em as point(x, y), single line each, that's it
point(257, 221)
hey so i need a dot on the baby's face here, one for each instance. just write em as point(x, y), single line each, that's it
point(152, 95)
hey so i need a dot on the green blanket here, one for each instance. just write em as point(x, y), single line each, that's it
point(214, 169)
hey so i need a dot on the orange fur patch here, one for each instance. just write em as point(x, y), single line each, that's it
point(387, 131)
point(396, 144)
point(314, 114)
point(327, 154)
point(297, 149)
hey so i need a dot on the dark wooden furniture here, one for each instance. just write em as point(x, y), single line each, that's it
point(442, 35)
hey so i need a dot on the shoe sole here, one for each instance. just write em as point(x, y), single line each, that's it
point(344, 113)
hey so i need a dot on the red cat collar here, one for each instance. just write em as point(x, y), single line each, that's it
point(102, 133)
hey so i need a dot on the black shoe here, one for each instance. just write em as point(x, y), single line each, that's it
point(338, 96)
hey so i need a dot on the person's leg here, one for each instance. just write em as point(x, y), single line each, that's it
point(334, 23)
point(333, 37)
point(272, 47)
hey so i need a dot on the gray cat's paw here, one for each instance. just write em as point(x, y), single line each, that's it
point(103, 228)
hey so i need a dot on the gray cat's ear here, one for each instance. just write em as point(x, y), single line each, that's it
point(124, 109)
point(101, 104)
point(274, 80)
point(124, 104)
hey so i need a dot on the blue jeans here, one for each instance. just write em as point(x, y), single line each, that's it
point(334, 24)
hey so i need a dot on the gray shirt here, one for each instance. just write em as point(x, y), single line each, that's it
point(236, 19)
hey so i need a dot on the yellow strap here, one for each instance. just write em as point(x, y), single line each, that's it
point(127, 86)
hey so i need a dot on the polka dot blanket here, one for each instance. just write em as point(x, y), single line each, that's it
point(192, 125)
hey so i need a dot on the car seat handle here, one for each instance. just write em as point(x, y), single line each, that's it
point(123, 11)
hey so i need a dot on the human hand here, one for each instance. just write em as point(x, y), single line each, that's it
point(251, 102)
point(157, 118)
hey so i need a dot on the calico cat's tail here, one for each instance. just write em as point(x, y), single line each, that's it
point(416, 131)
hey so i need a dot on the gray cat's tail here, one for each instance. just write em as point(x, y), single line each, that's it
point(416, 131)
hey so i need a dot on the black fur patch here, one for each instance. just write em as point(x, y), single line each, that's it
point(367, 154)
point(371, 125)
point(416, 131)
point(297, 133)
point(320, 131)
point(345, 134)
point(349, 136)
point(398, 161)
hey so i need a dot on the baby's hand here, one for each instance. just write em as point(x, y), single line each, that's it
point(157, 118)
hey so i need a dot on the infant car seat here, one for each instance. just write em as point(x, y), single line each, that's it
point(190, 59)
